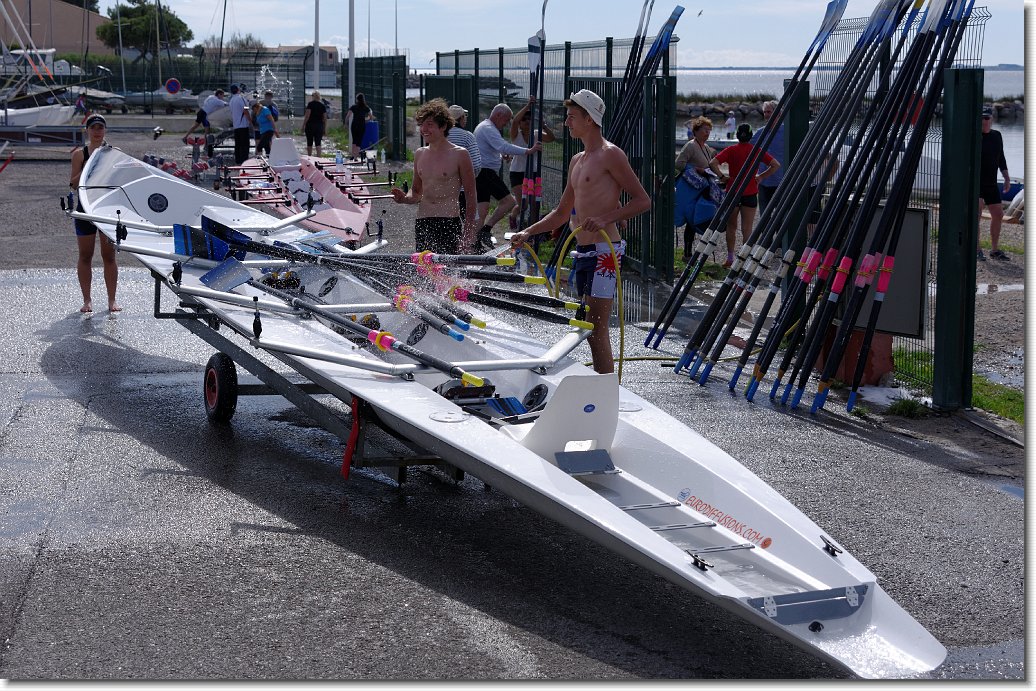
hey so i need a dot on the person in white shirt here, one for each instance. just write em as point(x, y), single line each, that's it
point(492, 146)
point(241, 122)
point(521, 126)
point(462, 137)
point(731, 124)
point(211, 104)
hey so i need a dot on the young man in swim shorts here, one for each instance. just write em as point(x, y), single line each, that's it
point(441, 168)
point(597, 177)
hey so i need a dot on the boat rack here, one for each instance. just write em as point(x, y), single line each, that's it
point(368, 442)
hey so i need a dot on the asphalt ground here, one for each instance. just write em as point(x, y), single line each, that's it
point(140, 542)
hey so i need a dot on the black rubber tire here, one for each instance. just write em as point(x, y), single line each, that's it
point(219, 388)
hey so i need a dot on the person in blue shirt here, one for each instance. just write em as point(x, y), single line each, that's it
point(263, 118)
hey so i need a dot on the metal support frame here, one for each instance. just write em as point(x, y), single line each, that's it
point(206, 326)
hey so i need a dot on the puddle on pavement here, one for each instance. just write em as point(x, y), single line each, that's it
point(1015, 491)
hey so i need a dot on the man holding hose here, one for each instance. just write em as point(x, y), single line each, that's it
point(597, 177)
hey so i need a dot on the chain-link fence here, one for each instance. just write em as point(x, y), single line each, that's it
point(503, 76)
point(382, 81)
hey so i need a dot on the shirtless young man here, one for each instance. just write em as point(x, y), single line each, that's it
point(441, 168)
point(596, 179)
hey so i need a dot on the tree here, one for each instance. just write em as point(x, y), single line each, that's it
point(232, 43)
point(91, 5)
point(138, 27)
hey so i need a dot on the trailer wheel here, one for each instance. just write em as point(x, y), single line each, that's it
point(220, 388)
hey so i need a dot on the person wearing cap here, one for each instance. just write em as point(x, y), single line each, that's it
point(988, 190)
point(241, 121)
point(492, 146)
point(440, 170)
point(211, 104)
point(267, 128)
point(598, 176)
point(314, 123)
point(520, 128)
point(460, 136)
point(96, 127)
point(731, 124)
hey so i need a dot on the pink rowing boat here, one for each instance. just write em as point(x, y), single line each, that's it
point(285, 182)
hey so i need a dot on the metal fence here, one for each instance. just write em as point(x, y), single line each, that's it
point(502, 76)
point(925, 195)
point(382, 81)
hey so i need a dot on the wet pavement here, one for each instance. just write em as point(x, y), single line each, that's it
point(140, 542)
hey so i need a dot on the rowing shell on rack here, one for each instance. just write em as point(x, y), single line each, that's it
point(286, 181)
point(537, 425)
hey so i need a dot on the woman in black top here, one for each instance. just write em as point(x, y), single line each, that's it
point(86, 231)
point(314, 122)
point(359, 113)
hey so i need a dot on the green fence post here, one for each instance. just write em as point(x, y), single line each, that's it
point(796, 125)
point(958, 239)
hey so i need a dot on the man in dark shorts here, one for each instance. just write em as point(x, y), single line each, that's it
point(492, 146)
point(440, 169)
point(212, 103)
point(988, 189)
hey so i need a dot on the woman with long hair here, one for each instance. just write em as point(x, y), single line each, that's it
point(359, 114)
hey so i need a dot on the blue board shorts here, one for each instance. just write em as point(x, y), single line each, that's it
point(595, 269)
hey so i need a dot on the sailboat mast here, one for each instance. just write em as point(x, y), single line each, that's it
point(158, 43)
point(316, 44)
point(222, 29)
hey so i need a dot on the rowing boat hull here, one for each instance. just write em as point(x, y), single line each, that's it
point(296, 175)
point(677, 502)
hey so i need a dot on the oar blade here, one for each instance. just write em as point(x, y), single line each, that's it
point(228, 275)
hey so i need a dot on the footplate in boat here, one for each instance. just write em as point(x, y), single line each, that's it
point(812, 606)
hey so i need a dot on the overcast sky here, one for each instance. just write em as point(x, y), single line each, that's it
point(732, 32)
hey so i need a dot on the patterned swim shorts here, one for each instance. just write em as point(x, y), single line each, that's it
point(594, 269)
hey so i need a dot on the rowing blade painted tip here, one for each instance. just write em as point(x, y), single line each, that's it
point(818, 402)
point(733, 380)
point(705, 374)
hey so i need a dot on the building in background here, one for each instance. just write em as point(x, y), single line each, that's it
point(58, 25)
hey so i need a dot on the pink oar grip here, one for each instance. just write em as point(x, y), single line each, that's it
point(841, 274)
point(866, 272)
point(801, 264)
point(829, 261)
point(885, 274)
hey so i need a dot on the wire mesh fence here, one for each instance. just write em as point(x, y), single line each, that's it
point(503, 76)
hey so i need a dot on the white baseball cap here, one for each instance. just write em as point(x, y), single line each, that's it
point(591, 103)
point(457, 112)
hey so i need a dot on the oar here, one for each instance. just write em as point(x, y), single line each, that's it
point(681, 289)
point(917, 67)
point(821, 145)
point(382, 339)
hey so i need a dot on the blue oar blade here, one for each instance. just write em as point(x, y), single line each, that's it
point(227, 276)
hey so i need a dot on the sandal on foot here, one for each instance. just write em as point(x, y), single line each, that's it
point(999, 255)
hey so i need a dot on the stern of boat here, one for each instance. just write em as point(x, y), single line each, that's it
point(858, 627)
